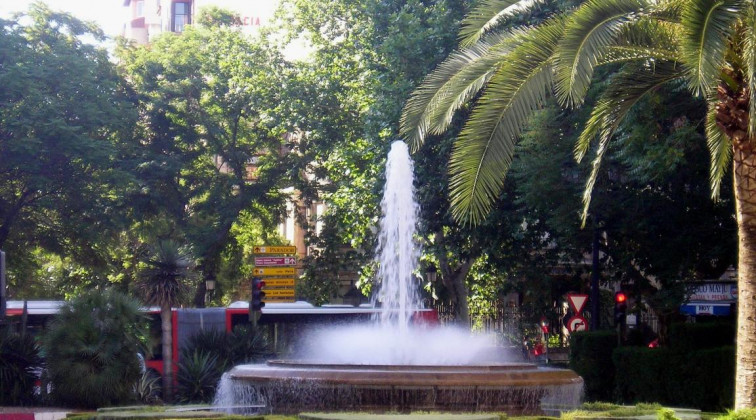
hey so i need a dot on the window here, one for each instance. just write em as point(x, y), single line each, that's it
point(139, 8)
point(181, 16)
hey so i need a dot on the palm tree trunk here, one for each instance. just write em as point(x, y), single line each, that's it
point(166, 327)
point(744, 164)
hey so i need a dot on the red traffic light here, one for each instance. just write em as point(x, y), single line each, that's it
point(620, 297)
point(258, 284)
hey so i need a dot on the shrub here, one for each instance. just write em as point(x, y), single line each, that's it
point(209, 353)
point(744, 414)
point(147, 389)
point(249, 345)
point(702, 335)
point(641, 374)
point(702, 379)
point(91, 350)
point(591, 358)
point(197, 377)
point(19, 360)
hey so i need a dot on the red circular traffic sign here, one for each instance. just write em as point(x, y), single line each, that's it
point(577, 323)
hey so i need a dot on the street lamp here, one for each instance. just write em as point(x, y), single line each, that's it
point(209, 289)
point(431, 273)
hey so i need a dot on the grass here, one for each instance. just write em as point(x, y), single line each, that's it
point(586, 411)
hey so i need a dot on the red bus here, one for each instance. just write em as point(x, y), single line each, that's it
point(282, 320)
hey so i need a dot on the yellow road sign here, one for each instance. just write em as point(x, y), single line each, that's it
point(265, 249)
point(274, 271)
point(279, 299)
point(272, 293)
point(278, 283)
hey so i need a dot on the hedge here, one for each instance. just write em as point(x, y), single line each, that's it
point(702, 379)
point(591, 358)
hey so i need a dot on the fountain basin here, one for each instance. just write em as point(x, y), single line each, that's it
point(287, 386)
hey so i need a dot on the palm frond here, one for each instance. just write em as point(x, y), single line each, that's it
point(454, 82)
point(591, 29)
point(648, 31)
point(749, 57)
point(487, 15)
point(720, 148)
point(483, 153)
point(627, 88)
point(707, 26)
point(668, 10)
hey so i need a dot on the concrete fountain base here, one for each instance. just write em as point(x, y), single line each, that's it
point(294, 386)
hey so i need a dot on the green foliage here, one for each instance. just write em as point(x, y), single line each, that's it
point(212, 117)
point(213, 16)
point(644, 374)
point(19, 361)
point(63, 125)
point(91, 350)
point(209, 353)
point(197, 376)
point(164, 279)
point(591, 358)
point(147, 388)
point(685, 337)
point(743, 414)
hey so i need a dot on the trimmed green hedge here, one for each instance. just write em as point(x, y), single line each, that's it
point(701, 335)
point(591, 358)
point(703, 379)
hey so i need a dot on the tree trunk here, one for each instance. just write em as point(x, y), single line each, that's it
point(744, 164)
point(166, 327)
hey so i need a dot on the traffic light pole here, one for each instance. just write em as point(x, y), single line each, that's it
point(620, 315)
point(256, 302)
point(3, 297)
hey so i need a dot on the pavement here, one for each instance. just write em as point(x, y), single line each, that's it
point(32, 413)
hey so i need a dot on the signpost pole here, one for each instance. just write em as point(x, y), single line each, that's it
point(3, 297)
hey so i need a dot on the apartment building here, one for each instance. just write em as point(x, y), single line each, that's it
point(146, 19)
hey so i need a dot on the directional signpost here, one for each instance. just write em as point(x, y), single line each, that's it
point(274, 271)
point(275, 266)
point(266, 249)
point(274, 261)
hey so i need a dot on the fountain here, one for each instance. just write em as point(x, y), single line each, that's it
point(393, 365)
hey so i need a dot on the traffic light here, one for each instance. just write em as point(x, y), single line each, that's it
point(258, 295)
point(620, 308)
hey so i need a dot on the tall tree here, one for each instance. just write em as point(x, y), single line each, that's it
point(163, 282)
point(213, 146)
point(63, 113)
point(710, 45)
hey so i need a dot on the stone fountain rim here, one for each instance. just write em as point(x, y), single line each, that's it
point(474, 367)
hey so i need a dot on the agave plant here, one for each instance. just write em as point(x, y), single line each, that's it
point(197, 377)
point(709, 45)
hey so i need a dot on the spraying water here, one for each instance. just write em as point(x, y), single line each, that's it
point(398, 252)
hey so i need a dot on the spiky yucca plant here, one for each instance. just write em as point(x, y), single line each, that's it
point(710, 45)
point(163, 282)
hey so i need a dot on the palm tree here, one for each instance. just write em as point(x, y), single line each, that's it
point(163, 283)
point(707, 45)
point(91, 350)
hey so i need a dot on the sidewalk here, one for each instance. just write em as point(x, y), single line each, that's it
point(32, 413)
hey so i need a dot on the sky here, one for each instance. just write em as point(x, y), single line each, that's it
point(109, 14)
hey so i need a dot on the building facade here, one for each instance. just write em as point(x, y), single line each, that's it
point(146, 19)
